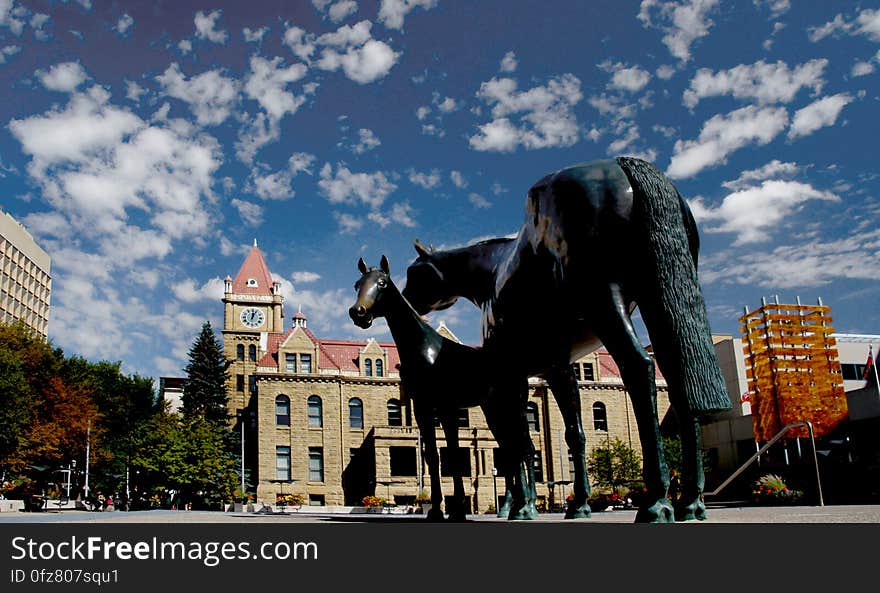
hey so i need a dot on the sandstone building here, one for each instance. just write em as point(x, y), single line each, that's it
point(25, 283)
point(326, 418)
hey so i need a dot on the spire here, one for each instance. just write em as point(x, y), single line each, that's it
point(255, 241)
point(254, 276)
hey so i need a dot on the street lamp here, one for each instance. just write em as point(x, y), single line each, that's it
point(495, 486)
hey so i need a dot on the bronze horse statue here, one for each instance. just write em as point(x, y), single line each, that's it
point(442, 376)
point(599, 239)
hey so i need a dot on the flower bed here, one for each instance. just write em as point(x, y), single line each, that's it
point(772, 490)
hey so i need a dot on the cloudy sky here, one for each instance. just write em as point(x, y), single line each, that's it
point(146, 145)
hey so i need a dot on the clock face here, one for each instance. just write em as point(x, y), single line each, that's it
point(252, 317)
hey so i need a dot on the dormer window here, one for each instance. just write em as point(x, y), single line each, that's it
point(252, 283)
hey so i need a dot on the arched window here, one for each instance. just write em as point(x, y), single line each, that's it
point(355, 413)
point(239, 352)
point(316, 412)
point(368, 367)
point(600, 418)
point(252, 353)
point(532, 416)
point(282, 410)
point(378, 367)
point(395, 418)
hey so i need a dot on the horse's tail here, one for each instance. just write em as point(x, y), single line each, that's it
point(670, 299)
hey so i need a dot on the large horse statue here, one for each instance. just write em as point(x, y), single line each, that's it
point(599, 239)
point(442, 376)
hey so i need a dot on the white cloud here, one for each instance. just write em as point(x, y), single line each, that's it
point(305, 277)
point(765, 83)
point(38, 20)
point(777, 7)
point(124, 24)
point(338, 10)
point(134, 91)
point(254, 35)
point(508, 62)
point(400, 213)
point(367, 141)
point(683, 22)
point(267, 84)
point(189, 292)
point(458, 179)
point(479, 201)
point(348, 223)
point(345, 187)
point(367, 63)
point(121, 193)
point(631, 79)
point(773, 169)
point(206, 27)
point(540, 117)
point(210, 95)
point(393, 12)
point(724, 134)
point(755, 213)
point(809, 264)
point(861, 69)
point(819, 114)
point(12, 16)
point(64, 77)
point(425, 180)
point(8, 50)
point(250, 213)
point(866, 23)
point(185, 46)
point(277, 185)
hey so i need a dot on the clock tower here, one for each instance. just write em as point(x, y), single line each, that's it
point(253, 310)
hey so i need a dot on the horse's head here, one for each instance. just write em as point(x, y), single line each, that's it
point(370, 288)
point(426, 286)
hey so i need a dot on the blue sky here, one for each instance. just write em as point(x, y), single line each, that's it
point(147, 144)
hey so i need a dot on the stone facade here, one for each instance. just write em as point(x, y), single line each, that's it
point(326, 418)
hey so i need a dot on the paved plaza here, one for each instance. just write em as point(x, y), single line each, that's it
point(834, 514)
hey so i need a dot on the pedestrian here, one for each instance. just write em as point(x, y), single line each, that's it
point(674, 486)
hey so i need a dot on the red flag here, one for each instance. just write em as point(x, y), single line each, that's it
point(869, 364)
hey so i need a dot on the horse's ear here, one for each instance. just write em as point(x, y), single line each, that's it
point(362, 265)
point(383, 264)
point(421, 249)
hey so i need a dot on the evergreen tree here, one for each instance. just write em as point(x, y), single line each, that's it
point(204, 393)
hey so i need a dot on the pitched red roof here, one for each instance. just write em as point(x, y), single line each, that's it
point(254, 267)
point(339, 355)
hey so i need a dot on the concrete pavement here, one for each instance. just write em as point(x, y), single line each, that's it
point(833, 514)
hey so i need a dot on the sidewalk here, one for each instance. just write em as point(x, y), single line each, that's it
point(835, 514)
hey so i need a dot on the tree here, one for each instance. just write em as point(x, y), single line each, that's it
point(614, 464)
point(204, 393)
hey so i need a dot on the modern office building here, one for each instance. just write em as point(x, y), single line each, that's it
point(326, 418)
point(25, 280)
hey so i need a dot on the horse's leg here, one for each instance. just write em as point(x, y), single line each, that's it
point(616, 332)
point(494, 418)
point(455, 505)
point(524, 493)
point(425, 422)
point(690, 505)
point(564, 387)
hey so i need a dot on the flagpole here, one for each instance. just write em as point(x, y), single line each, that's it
point(874, 364)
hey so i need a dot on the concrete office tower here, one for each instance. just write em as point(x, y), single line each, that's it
point(25, 283)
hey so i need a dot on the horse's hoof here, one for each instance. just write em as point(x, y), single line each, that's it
point(695, 511)
point(524, 513)
point(503, 512)
point(581, 512)
point(660, 512)
point(434, 514)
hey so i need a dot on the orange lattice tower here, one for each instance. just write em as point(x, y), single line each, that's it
point(793, 369)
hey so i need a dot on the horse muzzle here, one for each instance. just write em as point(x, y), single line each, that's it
point(361, 317)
